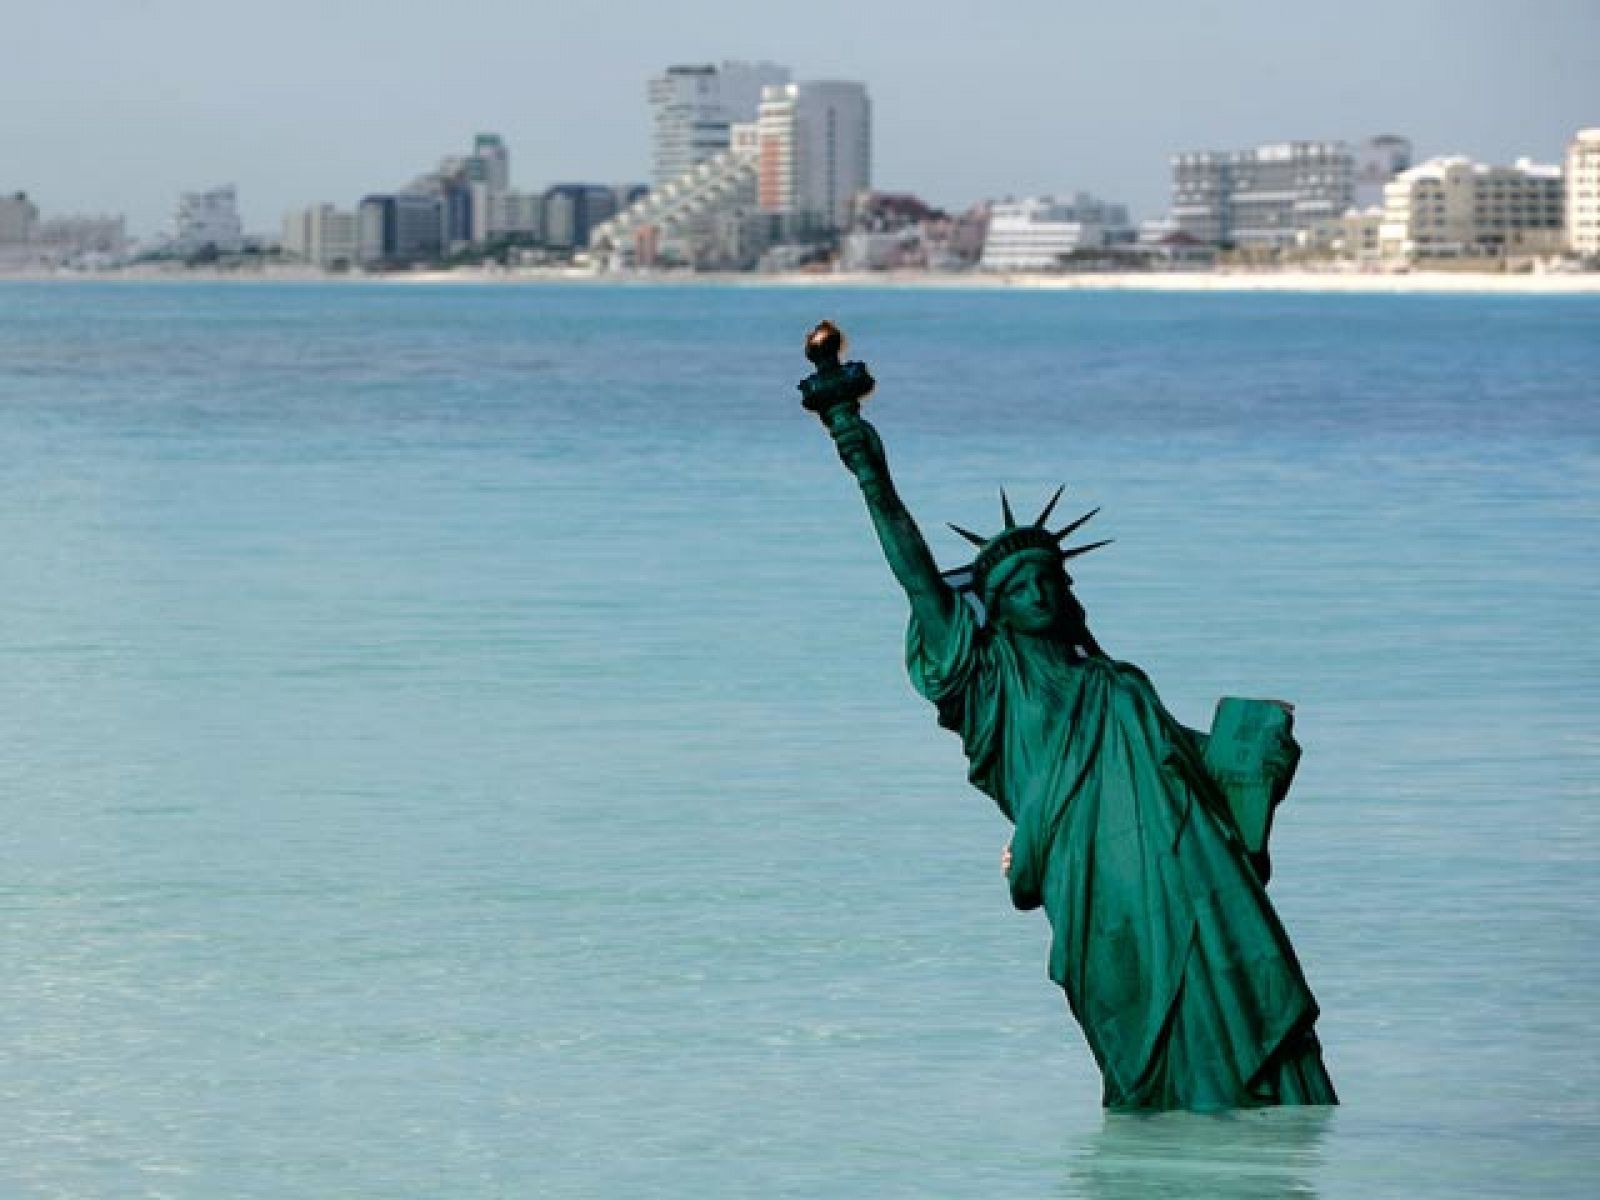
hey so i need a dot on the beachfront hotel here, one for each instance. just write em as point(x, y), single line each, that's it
point(1456, 208)
point(1041, 233)
point(1262, 198)
point(694, 110)
point(1583, 194)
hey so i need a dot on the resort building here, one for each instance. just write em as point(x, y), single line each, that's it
point(1043, 233)
point(322, 236)
point(815, 151)
point(1456, 208)
point(1261, 198)
point(1583, 194)
point(696, 107)
point(208, 219)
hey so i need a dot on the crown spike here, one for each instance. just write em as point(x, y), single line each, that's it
point(1049, 508)
point(1075, 526)
point(975, 539)
point(1005, 510)
point(1077, 550)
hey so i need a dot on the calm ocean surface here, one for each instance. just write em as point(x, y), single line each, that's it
point(454, 741)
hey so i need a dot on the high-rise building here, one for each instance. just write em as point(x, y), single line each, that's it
point(490, 163)
point(208, 219)
point(1455, 208)
point(322, 236)
point(695, 108)
point(488, 173)
point(399, 229)
point(1261, 198)
point(815, 152)
point(1583, 193)
point(18, 217)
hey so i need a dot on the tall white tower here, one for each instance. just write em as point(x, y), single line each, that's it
point(695, 108)
point(816, 149)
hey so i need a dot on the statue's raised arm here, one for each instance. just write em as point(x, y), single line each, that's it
point(835, 393)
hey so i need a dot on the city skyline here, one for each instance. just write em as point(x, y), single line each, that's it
point(107, 111)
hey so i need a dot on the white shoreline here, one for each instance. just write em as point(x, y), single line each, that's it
point(1223, 280)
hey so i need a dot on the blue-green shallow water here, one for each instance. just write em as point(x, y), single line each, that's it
point(453, 742)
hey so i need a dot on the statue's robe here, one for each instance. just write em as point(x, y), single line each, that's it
point(1171, 956)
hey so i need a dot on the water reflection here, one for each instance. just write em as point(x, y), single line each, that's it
point(1264, 1154)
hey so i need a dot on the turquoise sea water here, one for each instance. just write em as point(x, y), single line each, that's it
point(454, 741)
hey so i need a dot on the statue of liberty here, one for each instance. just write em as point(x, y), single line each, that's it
point(1144, 841)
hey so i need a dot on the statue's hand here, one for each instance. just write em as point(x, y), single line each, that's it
point(861, 450)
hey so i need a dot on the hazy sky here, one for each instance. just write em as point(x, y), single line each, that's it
point(118, 105)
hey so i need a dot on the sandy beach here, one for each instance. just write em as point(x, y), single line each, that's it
point(1414, 282)
point(1552, 283)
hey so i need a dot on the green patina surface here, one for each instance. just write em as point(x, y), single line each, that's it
point(1143, 841)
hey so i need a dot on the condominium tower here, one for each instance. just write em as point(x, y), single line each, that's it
point(695, 108)
point(815, 150)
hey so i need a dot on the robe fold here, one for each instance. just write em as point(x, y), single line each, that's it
point(1171, 956)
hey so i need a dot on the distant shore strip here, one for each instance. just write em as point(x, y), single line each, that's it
point(1225, 280)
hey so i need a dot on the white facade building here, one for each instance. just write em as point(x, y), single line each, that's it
point(1456, 208)
point(815, 151)
point(696, 107)
point(1583, 193)
point(322, 236)
point(1039, 233)
point(208, 218)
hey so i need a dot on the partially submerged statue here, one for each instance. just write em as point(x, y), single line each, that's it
point(1144, 841)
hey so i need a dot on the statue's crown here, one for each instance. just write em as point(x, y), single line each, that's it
point(1015, 539)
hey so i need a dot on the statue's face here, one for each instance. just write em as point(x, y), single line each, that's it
point(1031, 595)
